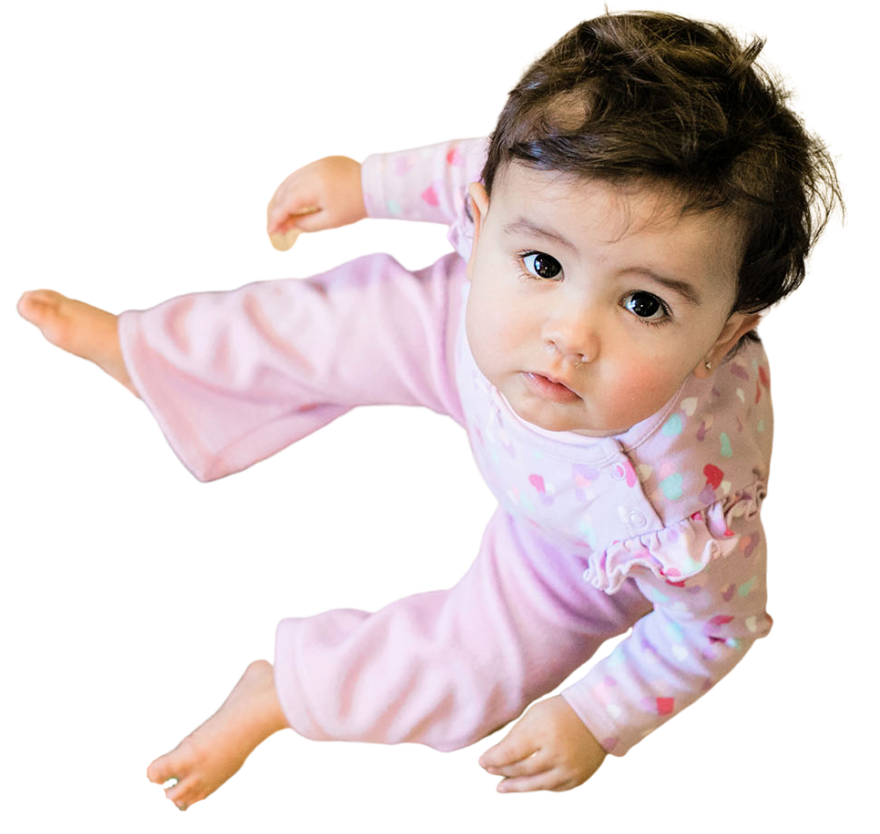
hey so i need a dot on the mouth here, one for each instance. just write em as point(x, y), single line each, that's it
point(556, 381)
point(550, 388)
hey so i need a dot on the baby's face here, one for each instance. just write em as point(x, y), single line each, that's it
point(614, 295)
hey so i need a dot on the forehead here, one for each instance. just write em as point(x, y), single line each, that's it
point(637, 217)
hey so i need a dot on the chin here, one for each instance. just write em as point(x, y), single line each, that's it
point(556, 422)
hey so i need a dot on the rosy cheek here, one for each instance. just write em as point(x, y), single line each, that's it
point(639, 391)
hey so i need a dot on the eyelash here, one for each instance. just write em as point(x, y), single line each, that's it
point(524, 273)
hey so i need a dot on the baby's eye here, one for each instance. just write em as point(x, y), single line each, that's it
point(541, 265)
point(646, 306)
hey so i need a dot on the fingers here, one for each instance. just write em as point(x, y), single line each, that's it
point(530, 766)
point(516, 746)
point(549, 780)
point(307, 219)
point(283, 216)
point(531, 773)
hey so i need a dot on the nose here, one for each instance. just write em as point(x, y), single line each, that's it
point(573, 357)
point(574, 338)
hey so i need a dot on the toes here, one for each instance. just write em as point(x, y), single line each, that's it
point(25, 303)
point(183, 761)
point(162, 769)
point(189, 791)
point(181, 801)
point(177, 793)
point(33, 305)
point(184, 794)
point(158, 773)
point(182, 787)
point(44, 296)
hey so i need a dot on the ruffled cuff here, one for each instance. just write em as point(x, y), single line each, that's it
point(679, 551)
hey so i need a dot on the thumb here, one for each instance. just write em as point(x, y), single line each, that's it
point(307, 219)
point(283, 216)
point(514, 747)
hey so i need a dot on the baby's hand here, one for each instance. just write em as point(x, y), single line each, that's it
point(548, 749)
point(323, 195)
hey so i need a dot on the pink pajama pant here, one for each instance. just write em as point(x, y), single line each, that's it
point(234, 377)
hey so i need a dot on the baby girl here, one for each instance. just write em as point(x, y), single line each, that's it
point(645, 196)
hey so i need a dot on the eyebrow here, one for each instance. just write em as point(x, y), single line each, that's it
point(687, 291)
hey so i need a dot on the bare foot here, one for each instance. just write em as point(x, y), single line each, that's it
point(79, 329)
point(207, 757)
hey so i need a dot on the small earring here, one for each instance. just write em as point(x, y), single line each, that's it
point(708, 366)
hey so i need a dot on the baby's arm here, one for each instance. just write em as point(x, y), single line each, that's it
point(699, 630)
point(428, 184)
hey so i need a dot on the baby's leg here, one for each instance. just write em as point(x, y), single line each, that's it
point(234, 377)
point(79, 329)
point(448, 668)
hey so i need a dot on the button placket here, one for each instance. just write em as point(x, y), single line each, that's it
point(636, 519)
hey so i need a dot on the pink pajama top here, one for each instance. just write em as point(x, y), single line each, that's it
point(672, 505)
point(663, 518)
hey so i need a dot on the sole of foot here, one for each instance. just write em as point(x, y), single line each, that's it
point(215, 751)
point(77, 328)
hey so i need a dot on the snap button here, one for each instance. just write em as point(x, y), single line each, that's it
point(637, 519)
point(618, 472)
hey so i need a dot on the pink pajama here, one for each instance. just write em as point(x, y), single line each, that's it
point(276, 360)
point(657, 529)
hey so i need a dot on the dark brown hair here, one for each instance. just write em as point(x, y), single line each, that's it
point(681, 104)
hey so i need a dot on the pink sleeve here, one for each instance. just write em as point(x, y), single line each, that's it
point(427, 183)
point(699, 630)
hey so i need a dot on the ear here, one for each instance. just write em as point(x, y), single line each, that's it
point(737, 326)
point(479, 203)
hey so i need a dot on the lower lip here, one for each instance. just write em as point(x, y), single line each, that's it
point(554, 391)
